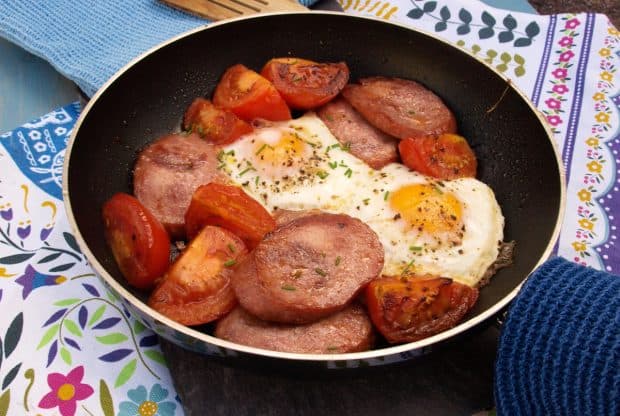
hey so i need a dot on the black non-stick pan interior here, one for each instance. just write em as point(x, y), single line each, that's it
point(516, 157)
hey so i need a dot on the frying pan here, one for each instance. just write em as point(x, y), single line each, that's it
point(148, 97)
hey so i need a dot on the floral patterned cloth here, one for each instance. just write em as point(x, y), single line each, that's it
point(68, 346)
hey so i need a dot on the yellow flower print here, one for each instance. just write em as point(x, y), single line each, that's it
point(602, 117)
point(586, 223)
point(604, 52)
point(613, 31)
point(592, 141)
point(598, 96)
point(578, 246)
point(594, 166)
point(584, 195)
point(606, 76)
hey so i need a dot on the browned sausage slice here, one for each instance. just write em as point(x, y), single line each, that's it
point(400, 107)
point(309, 268)
point(366, 142)
point(168, 172)
point(349, 330)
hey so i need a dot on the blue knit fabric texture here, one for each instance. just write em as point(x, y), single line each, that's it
point(88, 41)
point(560, 345)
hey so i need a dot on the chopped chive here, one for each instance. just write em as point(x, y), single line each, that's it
point(438, 189)
point(332, 348)
point(261, 149)
point(385, 196)
point(365, 201)
point(343, 164)
point(338, 259)
point(407, 267)
point(320, 272)
point(231, 248)
point(346, 147)
point(348, 173)
point(246, 170)
point(256, 180)
point(229, 263)
point(288, 287)
point(415, 248)
point(322, 174)
point(310, 143)
point(333, 165)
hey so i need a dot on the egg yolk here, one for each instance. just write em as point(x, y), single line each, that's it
point(428, 209)
point(283, 152)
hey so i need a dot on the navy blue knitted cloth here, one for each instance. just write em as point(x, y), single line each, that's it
point(560, 345)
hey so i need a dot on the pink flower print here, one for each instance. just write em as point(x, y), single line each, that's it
point(554, 120)
point(553, 103)
point(560, 73)
point(66, 391)
point(566, 56)
point(566, 41)
point(572, 23)
point(560, 89)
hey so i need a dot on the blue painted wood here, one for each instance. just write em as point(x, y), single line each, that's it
point(29, 87)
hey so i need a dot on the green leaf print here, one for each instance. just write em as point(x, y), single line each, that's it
point(10, 376)
point(73, 327)
point(97, 315)
point(65, 355)
point(5, 401)
point(114, 338)
point(16, 258)
point(48, 336)
point(126, 373)
point(70, 239)
point(105, 399)
point(67, 302)
point(156, 356)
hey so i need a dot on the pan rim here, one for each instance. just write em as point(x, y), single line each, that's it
point(365, 355)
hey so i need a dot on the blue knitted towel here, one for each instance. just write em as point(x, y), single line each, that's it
point(88, 41)
point(560, 346)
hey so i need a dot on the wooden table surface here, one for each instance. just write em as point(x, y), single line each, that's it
point(456, 379)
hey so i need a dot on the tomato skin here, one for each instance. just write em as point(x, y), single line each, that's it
point(249, 95)
point(410, 309)
point(306, 84)
point(139, 243)
point(197, 287)
point(229, 207)
point(447, 156)
point(214, 124)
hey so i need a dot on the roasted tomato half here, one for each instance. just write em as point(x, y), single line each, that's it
point(413, 308)
point(197, 288)
point(139, 243)
point(214, 124)
point(249, 95)
point(229, 207)
point(447, 156)
point(306, 84)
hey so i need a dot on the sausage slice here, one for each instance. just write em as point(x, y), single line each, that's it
point(309, 268)
point(366, 142)
point(349, 330)
point(168, 172)
point(400, 107)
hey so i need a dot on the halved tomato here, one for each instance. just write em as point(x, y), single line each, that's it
point(406, 309)
point(197, 288)
point(139, 243)
point(229, 207)
point(447, 156)
point(214, 124)
point(306, 84)
point(249, 95)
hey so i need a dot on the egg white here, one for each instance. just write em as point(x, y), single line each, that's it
point(317, 172)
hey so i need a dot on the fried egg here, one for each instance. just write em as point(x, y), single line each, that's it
point(427, 226)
